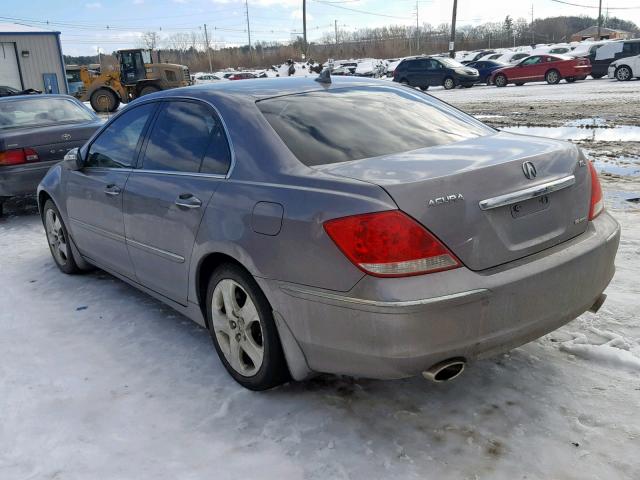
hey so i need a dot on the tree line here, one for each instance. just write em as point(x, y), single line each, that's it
point(191, 48)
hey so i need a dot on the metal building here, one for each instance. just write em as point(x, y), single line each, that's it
point(31, 57)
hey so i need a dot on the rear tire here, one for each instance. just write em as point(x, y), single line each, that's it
point(552, 77)
point(58, 239)
point(570, 79)
point(623, 73)
point(148, 89)
point(241, 325)
point(500, 80)
point(424, 89)
point(448, 83)
point(404, 81)
point(597, 76)
point(519, 84)
point(104, 100)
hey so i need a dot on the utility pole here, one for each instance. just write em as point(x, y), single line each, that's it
point(99, 60)
point(533, 35)
point(206, 40)
point(246, 6)
point(335, 23)
point(304, 26)
point(452, 41)
point(599, 19)
point(417, 30)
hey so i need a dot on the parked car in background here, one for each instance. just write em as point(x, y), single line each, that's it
point(536, 68)
point(477, 55)
point(512, 57)
point(200, 78)
point(485, 68)
point(602, 54)
point(625, 68)
point(354, 227)
point(6, 91)
point(425, 72)
point(36, 131)
point(242, 76)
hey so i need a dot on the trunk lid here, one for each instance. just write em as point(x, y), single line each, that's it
point(51, 143)
point(442, 188)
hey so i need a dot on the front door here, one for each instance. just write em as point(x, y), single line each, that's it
point(94, 194)
point(435, 72)
point(185, 158)
point(50, 81)
point(527, 70)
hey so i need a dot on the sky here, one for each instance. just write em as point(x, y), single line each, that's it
point(108, 25)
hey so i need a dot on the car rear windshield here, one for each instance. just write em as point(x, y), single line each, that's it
point(346, 124)
point(41, 111)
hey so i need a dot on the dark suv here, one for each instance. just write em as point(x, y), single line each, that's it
point(424, 72)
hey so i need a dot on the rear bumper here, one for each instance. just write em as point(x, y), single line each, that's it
point(393, 328)
point(22, 179)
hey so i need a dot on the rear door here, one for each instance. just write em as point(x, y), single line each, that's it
point(94, 194)
point(185, 157)
point(417, 72)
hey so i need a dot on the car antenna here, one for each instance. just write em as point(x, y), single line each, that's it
point(324, 77)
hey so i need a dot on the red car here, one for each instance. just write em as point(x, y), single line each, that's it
point(242, 76)
point(536, 68)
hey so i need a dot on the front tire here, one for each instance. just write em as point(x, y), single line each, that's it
point(243, 330)
point(448, 83)
point(623, 73)
point(58, 239)
point(552, 77)
point(104, 100)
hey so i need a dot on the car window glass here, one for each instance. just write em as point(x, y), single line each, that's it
point(179, 137)
point(116, 146)
point(434, 64)
point(346, 124)
point(531, 60)
point(217, 158)
point(42, 110)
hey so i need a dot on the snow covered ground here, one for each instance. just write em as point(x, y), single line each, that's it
point(99, 381)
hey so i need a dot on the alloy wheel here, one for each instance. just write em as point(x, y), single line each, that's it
point(56, 237)
point(552, 77)
point(237, 327)
point(623, 74)
point(449, 84)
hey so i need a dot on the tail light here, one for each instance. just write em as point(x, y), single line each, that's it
point(597, 201)
point(390, 244)
point(18, 156)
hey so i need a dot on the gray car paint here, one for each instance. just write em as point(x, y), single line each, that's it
point(47, 141)
point(330, 315)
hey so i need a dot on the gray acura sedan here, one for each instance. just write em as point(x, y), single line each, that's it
point(354, 227)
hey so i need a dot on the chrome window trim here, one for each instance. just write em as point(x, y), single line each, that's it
point(158, 172)
point(527, 193)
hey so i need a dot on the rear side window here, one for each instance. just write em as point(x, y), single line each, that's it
point(346, 124)
point(181, 136)
point(117, 145)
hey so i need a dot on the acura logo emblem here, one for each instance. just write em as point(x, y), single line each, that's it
point(529, 170)
point(66, 136)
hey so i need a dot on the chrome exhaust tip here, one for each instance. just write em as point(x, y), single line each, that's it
point(445, 370)
point(598, 303)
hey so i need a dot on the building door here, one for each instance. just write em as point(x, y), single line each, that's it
point(9, 70)
point(50, 81)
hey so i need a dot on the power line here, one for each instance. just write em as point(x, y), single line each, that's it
point(594, 6)
point(334, 5)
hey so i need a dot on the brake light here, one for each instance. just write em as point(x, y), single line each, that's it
point(389, 244)
point(18, 156)
point(597, 202)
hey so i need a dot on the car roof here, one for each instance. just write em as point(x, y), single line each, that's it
point(261, 88)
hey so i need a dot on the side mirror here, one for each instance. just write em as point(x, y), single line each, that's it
point(73, 160)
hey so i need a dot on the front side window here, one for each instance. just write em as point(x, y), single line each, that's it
point(531, 61)
point(117, 145)
point(40, 111)
point(181, 136)
point(346, 124)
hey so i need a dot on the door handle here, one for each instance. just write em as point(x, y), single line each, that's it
point(112, 190)
point(188, 200)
